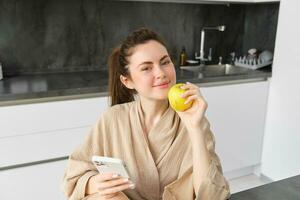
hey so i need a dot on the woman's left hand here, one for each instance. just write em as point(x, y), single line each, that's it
point(193, 116)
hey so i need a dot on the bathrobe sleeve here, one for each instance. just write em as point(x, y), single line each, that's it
point(214, 187)
point(80, 168)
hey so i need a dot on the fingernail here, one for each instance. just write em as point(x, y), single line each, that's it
point(181, 95)
point(115, 175)
point(125, 180)
point(132, 186)
point(188, 83)
point(185, 102)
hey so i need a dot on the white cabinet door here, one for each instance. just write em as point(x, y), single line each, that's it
point(50, 116)
point(35, 182)
point(42, 131)
point(282, 134)
point(237, 117)
point(35, 147)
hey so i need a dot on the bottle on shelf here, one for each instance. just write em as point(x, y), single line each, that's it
point(183, 57)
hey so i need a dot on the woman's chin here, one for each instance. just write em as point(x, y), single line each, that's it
point(162, 97)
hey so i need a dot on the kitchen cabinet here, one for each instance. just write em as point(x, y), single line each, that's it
point(42, 131)
point(45, 131)
point(42, 181)
point(237, 117)
point(206, 1)
point(282, 133)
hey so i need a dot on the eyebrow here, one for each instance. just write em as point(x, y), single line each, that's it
point(149, 62)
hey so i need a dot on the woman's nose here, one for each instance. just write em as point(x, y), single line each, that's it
point(159, 72)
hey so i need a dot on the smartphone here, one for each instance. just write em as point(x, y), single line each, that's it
point(112, 165)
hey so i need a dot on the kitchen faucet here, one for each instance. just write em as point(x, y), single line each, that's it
point(201, 57)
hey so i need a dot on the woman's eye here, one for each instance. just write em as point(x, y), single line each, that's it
point(145, 68)
point(166, 62)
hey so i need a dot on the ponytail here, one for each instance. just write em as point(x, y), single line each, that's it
point(118, 92)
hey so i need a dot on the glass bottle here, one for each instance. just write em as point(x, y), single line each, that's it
point(183, 57)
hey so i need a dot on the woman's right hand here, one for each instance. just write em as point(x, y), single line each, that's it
point(108, 185)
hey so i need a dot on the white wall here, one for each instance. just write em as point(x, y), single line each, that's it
point(281, 151)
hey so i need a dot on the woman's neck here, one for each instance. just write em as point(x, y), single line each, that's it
point(153, 110)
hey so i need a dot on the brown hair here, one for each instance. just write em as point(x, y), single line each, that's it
point(118, 61)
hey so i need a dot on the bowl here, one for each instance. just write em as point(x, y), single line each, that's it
point(266, 56)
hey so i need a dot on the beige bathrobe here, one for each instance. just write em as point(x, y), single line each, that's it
point(159, 163)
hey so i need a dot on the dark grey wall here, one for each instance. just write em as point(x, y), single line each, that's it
point(260, 26)
point(75, 35)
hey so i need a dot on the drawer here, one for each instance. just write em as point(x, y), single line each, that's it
point(35, 182)
point(35, 147)
point(50, 116)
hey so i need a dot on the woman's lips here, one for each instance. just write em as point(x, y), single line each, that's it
point(163, 85)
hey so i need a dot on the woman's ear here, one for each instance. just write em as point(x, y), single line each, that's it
point(127, 82)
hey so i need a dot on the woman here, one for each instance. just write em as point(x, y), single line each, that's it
point(169, 155)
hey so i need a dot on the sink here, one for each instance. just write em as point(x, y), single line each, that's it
point(192, 68)
point(213, 70)
point(216, 70)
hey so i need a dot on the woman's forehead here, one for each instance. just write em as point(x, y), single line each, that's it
point(150, 51)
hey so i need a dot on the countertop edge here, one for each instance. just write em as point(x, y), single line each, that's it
point(105, 94)
point(51, 99)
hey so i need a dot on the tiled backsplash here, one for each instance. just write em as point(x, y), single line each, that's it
point(74, 35)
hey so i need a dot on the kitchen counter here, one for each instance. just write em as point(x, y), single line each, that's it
point(64, 86)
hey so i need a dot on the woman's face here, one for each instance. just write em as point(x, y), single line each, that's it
point(152, 72)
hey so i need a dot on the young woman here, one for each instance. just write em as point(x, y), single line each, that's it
point(169, 155)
